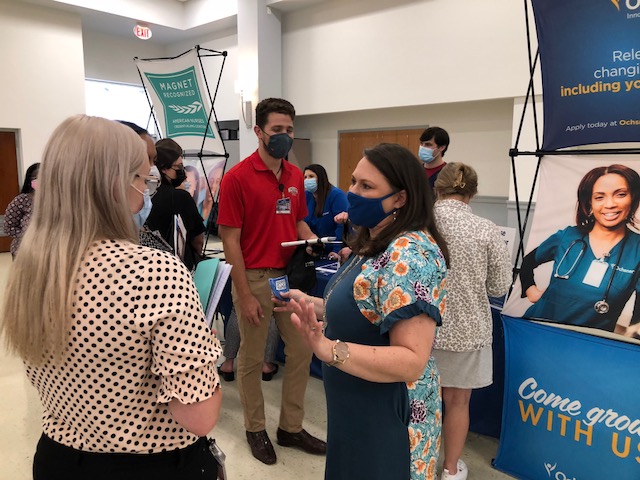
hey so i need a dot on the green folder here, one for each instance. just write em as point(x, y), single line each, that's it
point(204, 278)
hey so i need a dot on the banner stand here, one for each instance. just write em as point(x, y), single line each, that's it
point(201, 154)
point(539, 152)
point(569, 407)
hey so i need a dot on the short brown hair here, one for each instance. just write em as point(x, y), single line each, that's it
point(273, 105)
point(170, 144)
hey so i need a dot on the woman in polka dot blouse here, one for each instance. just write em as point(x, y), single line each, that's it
point(112, 333)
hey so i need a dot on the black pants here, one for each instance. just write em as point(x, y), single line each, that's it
point(54, 461)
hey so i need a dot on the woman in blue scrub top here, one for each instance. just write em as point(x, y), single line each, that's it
point(324, 202)
point(596, 263)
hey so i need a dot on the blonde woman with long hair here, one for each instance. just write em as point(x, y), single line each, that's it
point(112, 333)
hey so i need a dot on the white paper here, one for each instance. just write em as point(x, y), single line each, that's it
point(222, 275)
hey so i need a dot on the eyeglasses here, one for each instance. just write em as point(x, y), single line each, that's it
point(150, 182)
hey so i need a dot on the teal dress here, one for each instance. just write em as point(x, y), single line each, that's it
point(568, 299)
point(368, 433)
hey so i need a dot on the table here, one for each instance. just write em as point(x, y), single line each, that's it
point(485, 410)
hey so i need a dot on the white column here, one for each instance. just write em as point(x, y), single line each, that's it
point(259, 62)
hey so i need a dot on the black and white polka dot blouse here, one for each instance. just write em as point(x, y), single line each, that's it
point(137, 340)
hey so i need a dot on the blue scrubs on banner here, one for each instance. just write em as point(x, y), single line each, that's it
point(572, 301)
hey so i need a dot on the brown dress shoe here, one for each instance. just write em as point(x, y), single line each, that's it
point(302, 440)
point(261, 447)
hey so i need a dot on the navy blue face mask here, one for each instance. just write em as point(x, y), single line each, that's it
point(279, 144)
point(367, 212)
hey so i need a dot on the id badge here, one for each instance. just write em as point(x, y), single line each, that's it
point(279, 285)
point(283, 206)
point(220, 458)
point(596, 273)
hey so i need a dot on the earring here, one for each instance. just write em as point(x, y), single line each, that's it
point(395, 215)
point(589, 220)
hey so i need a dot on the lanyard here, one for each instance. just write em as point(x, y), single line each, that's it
point(602, 306)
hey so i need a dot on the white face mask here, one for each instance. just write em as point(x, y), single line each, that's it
point(144, 212)
point(426, 154)
point(311, 185)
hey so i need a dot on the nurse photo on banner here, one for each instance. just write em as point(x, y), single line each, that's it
point(585, 272)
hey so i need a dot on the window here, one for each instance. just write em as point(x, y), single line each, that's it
point(119, 101)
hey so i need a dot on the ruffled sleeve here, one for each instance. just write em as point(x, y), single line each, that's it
point(407, 280)
point(184, 349)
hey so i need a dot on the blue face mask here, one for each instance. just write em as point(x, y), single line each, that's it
point(366, 212)
point(426, 154)
point(311, 185)
point(279, 145)
point(144, 212)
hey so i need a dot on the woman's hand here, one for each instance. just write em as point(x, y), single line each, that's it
point(305, 320)
point(344, 254)
point(334, 256)
point(533, 293)
point(282, 306)
point(342, 217)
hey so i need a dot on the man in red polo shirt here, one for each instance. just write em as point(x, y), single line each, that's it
point(434, 142)
point(262, 204)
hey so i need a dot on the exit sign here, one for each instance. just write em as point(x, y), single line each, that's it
point(142, 31)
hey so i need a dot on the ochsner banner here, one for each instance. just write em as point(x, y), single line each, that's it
point(582, 263)
point(180, 101)
point(570, 407)
point(590, 59)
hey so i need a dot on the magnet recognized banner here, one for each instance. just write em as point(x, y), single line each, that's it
point(571, 409)
point(590, 60)
point(181, 102)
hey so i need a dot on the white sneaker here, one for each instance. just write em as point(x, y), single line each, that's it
point(461, 474)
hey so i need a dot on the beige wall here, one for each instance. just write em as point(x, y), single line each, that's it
point(108, 57)
point(43, 74)
point(480, 135)
point(355, 55)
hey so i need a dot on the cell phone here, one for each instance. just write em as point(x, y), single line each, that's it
point(279, 285)
point(219, 457)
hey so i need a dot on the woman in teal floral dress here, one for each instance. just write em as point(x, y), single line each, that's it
point(419, 278)
point(381, 310)
point(425, 426)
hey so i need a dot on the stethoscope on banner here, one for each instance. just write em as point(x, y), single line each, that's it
point(601, 306)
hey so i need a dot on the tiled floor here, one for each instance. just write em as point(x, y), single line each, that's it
point(20, 428)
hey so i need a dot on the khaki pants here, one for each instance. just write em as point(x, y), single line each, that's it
point(251, 355)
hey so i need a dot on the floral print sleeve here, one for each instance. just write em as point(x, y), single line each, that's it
point(406, 280)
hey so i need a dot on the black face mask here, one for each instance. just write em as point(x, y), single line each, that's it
point(279, 144)
point(181, 176)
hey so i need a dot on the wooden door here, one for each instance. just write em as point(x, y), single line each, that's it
point(352, 145)
point(8, 180)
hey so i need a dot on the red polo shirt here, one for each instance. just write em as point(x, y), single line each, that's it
point(248, 196)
